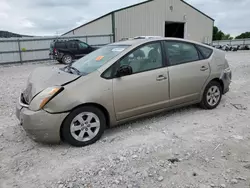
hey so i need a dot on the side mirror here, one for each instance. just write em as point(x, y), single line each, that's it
point(124, 71)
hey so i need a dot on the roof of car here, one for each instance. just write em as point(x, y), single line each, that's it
point(129, 42)
point(141, 41)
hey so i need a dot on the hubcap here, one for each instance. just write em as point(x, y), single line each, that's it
point(67, 59)
point(85, 126)
point(213, 96)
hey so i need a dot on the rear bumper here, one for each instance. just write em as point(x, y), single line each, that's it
point(55, 57)
point(227, 79)
point(40, 125)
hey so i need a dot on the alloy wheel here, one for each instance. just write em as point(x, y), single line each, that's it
point(85, 126)
point(213, 96)
point(67, 59)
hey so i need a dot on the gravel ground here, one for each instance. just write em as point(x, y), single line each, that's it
point(207, 148)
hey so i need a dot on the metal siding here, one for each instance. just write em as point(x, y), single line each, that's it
point(144, 19)
point(198, 26)
point(9, 57)
point(99, 40)
point(37, 48)
point(34, 45)
point(29, 56)
point(150, 18)
point(102, 26)
point(8, 46)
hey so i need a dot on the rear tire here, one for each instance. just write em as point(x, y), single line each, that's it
point(67, 59)
point(211, 96)
point(83, 126)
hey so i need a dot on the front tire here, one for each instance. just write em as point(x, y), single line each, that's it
point(83, 126)
point(212, 95)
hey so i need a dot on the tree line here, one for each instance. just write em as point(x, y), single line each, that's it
point(219, 35)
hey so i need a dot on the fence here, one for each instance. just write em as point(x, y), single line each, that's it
point(232, 42)
point(21, 50)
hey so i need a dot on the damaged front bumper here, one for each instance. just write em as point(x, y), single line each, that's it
point(40, 125)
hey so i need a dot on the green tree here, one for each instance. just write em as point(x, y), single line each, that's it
point(227, 37)
point(243, 35)
point(219, 35)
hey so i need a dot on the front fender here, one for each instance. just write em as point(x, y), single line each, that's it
point(88, 89)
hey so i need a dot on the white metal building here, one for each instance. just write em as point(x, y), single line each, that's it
point(169, 18)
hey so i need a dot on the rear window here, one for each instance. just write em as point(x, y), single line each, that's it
point(60, 45)
point(206, 52)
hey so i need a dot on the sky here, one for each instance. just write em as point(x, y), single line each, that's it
point(52, 17)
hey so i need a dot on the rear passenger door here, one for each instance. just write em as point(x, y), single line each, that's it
point(188, 71)
point(73, 48)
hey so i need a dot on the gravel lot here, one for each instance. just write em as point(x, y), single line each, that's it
point(213, 147)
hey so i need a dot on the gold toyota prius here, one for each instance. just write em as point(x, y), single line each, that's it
point(120, 82)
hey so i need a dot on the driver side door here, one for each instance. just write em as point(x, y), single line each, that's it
point(83, 49)
point(146, 89)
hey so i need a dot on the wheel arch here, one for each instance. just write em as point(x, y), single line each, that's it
point(216, 80)
point(219, 81)
point(100, 107)
point(68, 53)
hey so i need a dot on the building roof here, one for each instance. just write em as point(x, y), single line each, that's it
point(131, 7)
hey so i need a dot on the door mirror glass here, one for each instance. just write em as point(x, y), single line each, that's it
point(124, 70)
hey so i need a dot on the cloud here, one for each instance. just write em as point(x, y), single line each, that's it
point(230, 15)
point(61, 3)
point(48, 17)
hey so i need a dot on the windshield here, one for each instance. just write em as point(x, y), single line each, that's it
point(98, 58)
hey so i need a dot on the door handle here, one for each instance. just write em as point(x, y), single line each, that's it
point(161, 77)
point(204, 68)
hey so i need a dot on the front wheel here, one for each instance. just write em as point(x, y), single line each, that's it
point(83, 126)
point(212, 95)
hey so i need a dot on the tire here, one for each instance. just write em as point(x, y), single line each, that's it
point(214, 90)
point(59, 61)
point(67, 59)
point(76, 127)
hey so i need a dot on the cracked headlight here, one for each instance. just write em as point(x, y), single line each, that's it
point(39, 101)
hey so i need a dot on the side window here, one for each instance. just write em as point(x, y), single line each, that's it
point(60, 45)
point(83, 45)
point(147, 57)
point(206, 52)
point(181, 52)
point(72, 45)
point(108, 73)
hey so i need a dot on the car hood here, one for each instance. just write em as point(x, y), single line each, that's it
point(42, 78)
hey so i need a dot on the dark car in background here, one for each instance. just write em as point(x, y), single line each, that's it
point(66, 51)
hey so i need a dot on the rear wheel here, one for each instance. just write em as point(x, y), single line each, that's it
point(67, 59)
point(84, 126)
point(212, 95)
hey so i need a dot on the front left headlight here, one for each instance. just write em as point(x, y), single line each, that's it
point(44, 97)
